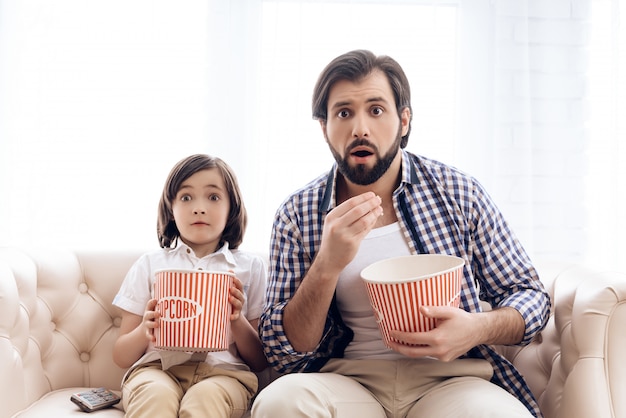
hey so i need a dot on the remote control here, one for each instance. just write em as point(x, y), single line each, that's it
point(94, 399)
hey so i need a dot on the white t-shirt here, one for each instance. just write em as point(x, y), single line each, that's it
point(353, 301)
point(137, 289)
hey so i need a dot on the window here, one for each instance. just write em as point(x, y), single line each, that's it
point(99, 100)
point(299, 38)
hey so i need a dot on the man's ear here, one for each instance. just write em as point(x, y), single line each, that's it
point(405, 119)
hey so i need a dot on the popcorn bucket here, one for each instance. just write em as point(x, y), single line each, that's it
point(397, 287)
point(194, 309)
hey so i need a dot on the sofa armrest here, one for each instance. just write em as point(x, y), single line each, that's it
point(57, 324)
point(594, 359)
point(575, 367)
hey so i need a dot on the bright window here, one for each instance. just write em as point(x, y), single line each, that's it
point(299, 38)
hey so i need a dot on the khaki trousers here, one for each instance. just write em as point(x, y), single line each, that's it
point(407, 388)
point(191, 389)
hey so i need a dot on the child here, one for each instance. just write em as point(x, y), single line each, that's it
point(201, 207)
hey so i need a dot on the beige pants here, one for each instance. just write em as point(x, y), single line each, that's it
point(409, 388)
point(188, 390)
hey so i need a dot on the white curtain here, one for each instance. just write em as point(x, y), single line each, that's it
point(99, 99)
point(606, 143)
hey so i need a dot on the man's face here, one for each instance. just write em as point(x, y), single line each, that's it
point(363, 129)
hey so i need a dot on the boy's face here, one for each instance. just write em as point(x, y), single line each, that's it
point(201, 210)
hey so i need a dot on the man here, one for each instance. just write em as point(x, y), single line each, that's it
point(380, 201)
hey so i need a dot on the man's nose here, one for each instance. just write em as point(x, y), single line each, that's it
point(360, 127)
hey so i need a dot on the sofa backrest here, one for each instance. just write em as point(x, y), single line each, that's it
point(57, 324)
point(58, 327)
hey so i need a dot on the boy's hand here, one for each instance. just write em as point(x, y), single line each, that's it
point(236, 299)
point(151, 319)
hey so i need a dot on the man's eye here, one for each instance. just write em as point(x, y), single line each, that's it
point(343, 114)
point(377, 111)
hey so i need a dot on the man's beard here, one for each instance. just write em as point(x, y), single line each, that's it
point(360, 174)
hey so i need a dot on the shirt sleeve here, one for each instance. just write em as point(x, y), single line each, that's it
point(289, 264)
point(255, 296)
point(504, 271)
point(136, 289)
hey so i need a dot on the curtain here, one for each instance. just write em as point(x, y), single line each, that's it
point(99, 99)
point(606, 143)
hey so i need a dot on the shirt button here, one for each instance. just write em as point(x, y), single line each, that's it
point(188, 251)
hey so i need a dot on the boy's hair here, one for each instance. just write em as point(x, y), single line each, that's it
point(237, 216)
point(354, 66)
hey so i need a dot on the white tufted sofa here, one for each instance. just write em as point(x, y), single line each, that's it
point(57, 329)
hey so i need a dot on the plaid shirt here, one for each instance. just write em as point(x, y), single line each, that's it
point(440, 210)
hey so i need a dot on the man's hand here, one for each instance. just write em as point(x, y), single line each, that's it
point(344, 229)
point(459, 331)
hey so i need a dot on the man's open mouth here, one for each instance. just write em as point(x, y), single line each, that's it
point(362, 153)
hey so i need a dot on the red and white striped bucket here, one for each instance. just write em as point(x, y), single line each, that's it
point(194, 309)
point(397, 287)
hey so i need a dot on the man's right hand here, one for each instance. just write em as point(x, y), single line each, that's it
point(344, 229)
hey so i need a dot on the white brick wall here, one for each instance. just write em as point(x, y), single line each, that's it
point(540, 88)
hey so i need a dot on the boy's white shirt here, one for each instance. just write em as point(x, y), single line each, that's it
point(138, 287)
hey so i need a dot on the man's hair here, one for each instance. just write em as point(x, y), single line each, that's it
point(237, 216)
point(354, 66)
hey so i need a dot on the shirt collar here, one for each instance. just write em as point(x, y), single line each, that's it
point(409, 176)
point(224, 252)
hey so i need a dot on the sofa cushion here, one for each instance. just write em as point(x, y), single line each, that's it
point(57, 404)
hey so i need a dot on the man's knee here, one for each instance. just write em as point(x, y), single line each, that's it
point(286, 396)
point(319, 395)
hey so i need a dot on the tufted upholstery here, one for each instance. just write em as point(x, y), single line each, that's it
point(57, 328)
point(578, 368)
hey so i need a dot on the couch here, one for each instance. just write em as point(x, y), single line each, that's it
point(57, 329)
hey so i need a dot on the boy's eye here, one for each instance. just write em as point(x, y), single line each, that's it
point(214, 197)
point(185, 198)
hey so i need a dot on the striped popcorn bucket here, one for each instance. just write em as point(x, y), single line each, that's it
point(397, 287)
point(194, 309)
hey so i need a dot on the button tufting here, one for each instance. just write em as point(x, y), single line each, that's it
point(82, 288)
point(117, 321)
point(84, 357)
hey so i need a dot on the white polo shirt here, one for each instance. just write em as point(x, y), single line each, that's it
point(137, 289)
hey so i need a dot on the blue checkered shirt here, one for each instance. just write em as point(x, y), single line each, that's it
point(440, 210)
